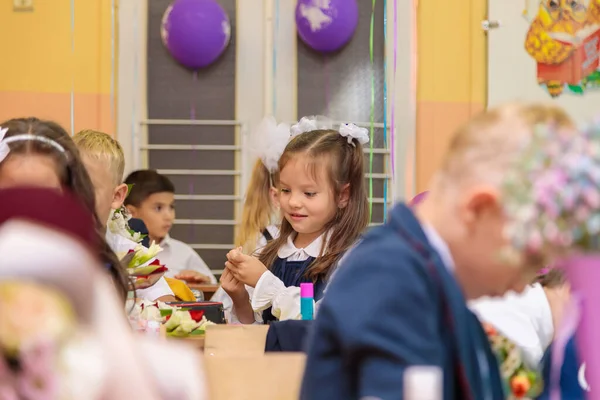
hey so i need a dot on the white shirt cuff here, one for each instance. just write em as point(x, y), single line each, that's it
point(233, 319)
point(270, 291)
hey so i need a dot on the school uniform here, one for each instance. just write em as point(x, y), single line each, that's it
point(572, 383)
point(276, 295)
point(395, 304)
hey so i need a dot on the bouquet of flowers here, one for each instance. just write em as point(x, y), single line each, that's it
point(552, 197)
point(143, 265)
point(520, 381)
point(119, 223)
point(44, 353)
point(178, 322)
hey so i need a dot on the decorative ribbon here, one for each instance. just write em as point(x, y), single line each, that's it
point(393, 107)
point(134, 141)
point(193, 117)
point(274, 68)
point(385, 108)
point(327, 84)
point(112, 63)
point(413, 89)
point(72, 67)
point(372, 129)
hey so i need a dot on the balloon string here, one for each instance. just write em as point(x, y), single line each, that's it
point(72, 105)
point(327, 84)
point(193, 117)
point(275, 41)
point(372, 130)
point(385, 108)
point(193, 98)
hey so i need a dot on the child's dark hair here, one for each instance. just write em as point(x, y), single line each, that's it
point(73, 176)
point(344, 166)
point(144, 183)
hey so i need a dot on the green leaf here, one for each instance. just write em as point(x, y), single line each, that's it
point(578, 89)
point(129, 187)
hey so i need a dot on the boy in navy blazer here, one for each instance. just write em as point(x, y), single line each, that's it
point(400, 298)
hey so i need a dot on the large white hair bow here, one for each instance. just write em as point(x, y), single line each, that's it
point(352, 131)
point(268, 141)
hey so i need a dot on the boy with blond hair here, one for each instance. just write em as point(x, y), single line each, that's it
point(104, 161)
point(419, 270)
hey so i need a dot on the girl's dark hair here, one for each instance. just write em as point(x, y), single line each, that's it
point(344, 165)
point(73, 176)
point(146, 182)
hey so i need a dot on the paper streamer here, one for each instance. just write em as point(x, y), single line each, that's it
point(372, 130)
point(112, 63)
point(72, 67)
point(191, 190)
point(393, 105)
point(327, 84)
point(134, 139)
point(274, 68)
point(410, 164)
point(385, 108)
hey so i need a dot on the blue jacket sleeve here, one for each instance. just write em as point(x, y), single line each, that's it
point(379, 316)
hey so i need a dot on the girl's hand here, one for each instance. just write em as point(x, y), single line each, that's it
point(192, 277)
point(234, 288)
point(245, 268)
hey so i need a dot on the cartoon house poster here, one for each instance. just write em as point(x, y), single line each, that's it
point(564, 40)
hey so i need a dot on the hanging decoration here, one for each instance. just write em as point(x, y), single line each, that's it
point(326, 25)
point(385, 108)
point(372, 130)
point(196, 32)
point(72, 105)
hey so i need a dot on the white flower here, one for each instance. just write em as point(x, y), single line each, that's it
point(352, 131)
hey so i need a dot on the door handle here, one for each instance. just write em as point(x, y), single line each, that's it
point(487, 25)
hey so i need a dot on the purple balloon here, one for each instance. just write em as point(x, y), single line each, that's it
point(326, 25)
point(196, 32)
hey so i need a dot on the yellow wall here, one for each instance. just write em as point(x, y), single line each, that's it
point(451, 75)
point(37, 65)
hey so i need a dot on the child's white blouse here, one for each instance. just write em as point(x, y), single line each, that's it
point(270, 291)
point(525, 318)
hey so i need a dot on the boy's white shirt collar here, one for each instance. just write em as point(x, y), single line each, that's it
point(439, 245)
point(312, 250)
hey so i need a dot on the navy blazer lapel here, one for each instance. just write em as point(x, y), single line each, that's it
point(460, 319)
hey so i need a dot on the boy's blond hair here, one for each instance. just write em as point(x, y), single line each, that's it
point(102, 147)
point(485, 148)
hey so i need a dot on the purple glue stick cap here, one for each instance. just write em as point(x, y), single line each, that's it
point(307, 290)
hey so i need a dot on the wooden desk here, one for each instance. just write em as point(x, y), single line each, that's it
point(207, 289)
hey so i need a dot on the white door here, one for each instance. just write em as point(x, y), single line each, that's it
point(564, 38)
